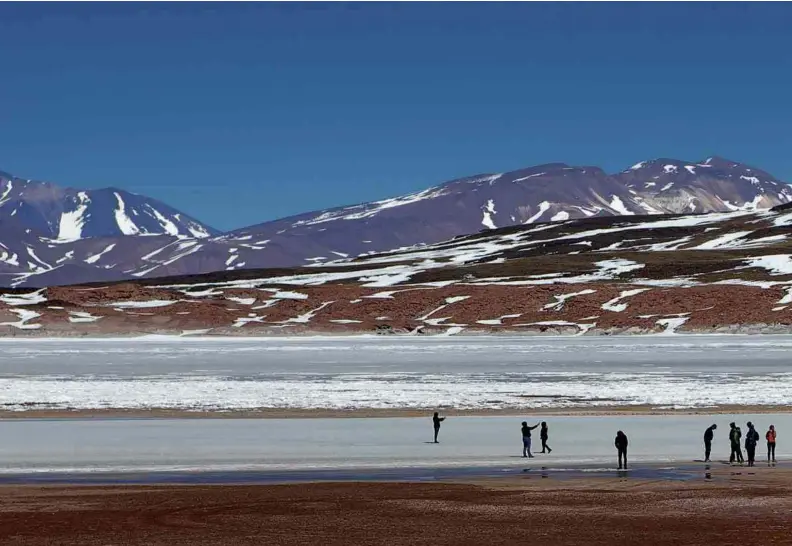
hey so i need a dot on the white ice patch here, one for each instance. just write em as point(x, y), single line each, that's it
point(544, 206)
point(747, 206)
point(82, 317)
point(25, 315)
point(33, 298)
point(561, 299)
point(529, 176)
point(724, 241)
point(242, 301)
point(671, 324)
point(668, 245)
point(72, 222)
point(752, 179)
point(169, 227)
point(783, 220)
point(649, 208)
point(498, 321)
point(582, 327)
point(139, 304)
point(489, 210)
point(124, 222)
point(96, 257)
point(287, 295)
point(668, 169)
point(638, 165)
point(32, 254)
point(616, 305)
point(560, 216)
point(241, 321)
point(617, 205)
point(776, 264)
point(667, 186)
point(345, 321)
point(787, 299)
point(8, 188)
point(690, 169)
point(306, 317)
point(9, 258)
point(368, 210)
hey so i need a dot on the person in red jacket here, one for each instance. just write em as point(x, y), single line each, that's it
point(771, 443)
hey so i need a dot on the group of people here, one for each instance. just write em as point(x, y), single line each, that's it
point(621, 442)
point(751, 441)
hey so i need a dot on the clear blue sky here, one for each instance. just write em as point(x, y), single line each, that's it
point(241, 113)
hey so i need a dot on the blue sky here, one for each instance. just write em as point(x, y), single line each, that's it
point(242, 113)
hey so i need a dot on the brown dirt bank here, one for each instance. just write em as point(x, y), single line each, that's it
point(340, 309)
point(737, 511)
point(278, 413)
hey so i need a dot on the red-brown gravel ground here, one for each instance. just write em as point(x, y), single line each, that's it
point(734, 509)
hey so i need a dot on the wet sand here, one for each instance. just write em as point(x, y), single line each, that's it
point(319, 413)
point(738, 507)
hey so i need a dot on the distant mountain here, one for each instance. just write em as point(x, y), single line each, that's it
point(50, 235)
point(66, 214)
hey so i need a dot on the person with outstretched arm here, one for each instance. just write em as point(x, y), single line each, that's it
point(708, 435)
point(543, 435)
point(436, 420)
point(526, 438)
point(751, 439)
point(771, 443)
point(621, 445)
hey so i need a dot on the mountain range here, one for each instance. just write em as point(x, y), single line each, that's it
point(57, 236)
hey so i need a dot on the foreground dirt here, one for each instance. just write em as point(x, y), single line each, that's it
point(735, 511)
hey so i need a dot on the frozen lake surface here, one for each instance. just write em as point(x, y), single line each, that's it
point(273, 445)
point(396, 372)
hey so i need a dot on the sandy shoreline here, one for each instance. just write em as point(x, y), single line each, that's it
point(286, 413)
point(596, 511)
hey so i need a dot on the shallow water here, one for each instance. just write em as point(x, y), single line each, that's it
point(350, 445)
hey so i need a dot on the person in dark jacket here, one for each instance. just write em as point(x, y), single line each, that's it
point(751, 439)
point(436, 420)
point(621, 446)
point(544, 436)
point(771, 442)
point(708, 435)
point(734, 439)
point(526, 438)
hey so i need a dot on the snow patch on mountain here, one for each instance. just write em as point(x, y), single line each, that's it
point(544, 206)
point(125, 223)
point(617, 205)
point(489, 210)
point(72, 222)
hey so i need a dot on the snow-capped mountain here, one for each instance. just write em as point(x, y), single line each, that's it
point(66, 214)
point(713, 185)
point(50, 235)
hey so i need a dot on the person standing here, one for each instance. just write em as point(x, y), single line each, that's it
point(751, 439)
point(621, 446)
point(543, 435)
point(734, 441)
point(708, 435)
point(771, 443)
point(740, 457)
point(436, 420)
point(526, 437)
